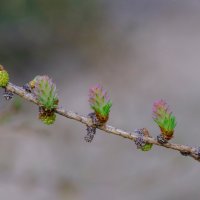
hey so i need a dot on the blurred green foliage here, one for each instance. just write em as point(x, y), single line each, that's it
point(34, 28)
point(69, 12)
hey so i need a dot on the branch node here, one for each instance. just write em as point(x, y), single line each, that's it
point(140, 142)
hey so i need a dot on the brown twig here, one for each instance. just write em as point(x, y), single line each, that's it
point(186, 150)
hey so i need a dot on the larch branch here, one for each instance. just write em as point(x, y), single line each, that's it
point(191, 151)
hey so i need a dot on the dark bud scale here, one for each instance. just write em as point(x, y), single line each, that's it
point(8, 95)
point(197, 152)
point(95, 119)
point(91, 130)
point(27, 88)
point(139, 141)
point(184, 153)
point(161, 139)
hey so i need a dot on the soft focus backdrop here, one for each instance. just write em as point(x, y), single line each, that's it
point(139, 50)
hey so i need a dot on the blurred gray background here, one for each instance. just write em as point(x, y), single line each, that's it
point(140, 51)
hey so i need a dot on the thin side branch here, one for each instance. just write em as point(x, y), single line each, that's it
point(191, 151)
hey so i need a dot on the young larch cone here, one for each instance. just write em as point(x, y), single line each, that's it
point(45, 91)
point(4, 77)
point(164, 119)
point(100, 102)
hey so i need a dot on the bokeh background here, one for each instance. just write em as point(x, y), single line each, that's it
point(140, 50)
